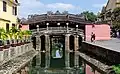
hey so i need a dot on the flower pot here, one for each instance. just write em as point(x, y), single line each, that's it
point(14, 43)
point(1, 48)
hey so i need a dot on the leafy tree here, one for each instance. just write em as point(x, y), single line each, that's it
point(90, 16)
point(116, 18)
point(116, 68)
point(116, 12)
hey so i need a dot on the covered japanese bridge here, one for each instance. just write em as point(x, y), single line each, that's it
point(59, 48)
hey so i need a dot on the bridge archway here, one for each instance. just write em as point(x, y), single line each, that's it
point(34, 42)
point(71, 46)
point(43, 51)
point(57, 51)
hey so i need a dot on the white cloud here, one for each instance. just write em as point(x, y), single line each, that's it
point(60, 6)
point(36, 6)
point(98, 5)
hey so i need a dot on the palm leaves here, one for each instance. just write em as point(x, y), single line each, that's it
point(3, 34)
point(14, 33)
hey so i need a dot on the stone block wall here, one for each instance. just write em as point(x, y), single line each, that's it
point(12, 52)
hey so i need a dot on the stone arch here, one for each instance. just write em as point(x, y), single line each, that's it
point(80, 39)
point(71, 42)
point(42, 37)
point(71, 54)
point(34, 42)
point(43, 62)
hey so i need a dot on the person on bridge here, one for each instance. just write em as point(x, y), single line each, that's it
point(92, 37)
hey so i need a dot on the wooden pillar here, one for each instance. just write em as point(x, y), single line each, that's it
point(67, 49)
point(47, 48)
point(38, 43)
point(38, 57)
point(76, 48)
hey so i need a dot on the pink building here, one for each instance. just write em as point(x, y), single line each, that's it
point(24, 27)
point(102, 32)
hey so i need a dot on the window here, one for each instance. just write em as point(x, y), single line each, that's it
point(14, 11)
point(7, 27)
point(13, 25)
point(4, 6)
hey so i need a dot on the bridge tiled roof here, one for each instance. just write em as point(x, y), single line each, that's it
point(57, 17)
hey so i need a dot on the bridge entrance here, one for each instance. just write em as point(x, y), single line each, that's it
point(57, 51)
point(58, 48)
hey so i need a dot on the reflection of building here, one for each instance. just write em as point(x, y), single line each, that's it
point(108, 9)
point(57, 47)
point(8, 13)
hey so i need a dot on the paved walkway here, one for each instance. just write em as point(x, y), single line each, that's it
point(113, 44)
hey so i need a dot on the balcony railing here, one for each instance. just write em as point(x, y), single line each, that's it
point(57, 30)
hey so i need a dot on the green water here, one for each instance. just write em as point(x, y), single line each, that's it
point(39, 70)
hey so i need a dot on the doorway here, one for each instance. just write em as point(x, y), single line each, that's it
point(57, 51)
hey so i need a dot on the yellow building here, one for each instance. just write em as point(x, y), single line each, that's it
point(8, 13)
point(107, 10)
point(112, 4)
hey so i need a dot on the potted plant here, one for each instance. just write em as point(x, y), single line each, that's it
point(28, 38)
point(4, 44)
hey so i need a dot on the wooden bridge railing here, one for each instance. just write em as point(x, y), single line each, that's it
point(58, 30)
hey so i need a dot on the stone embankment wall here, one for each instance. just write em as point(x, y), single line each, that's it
point(14, 58)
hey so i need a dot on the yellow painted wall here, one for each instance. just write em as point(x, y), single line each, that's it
point(3, 24)
point(7, 15)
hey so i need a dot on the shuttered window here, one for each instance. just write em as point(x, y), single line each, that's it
point(4, 6)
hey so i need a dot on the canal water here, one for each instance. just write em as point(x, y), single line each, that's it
point(54, 71)
point(55, 58)
point(37, 69)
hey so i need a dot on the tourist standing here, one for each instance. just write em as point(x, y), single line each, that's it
point(92, 37)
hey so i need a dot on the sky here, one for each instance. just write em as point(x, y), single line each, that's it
point(28, 7)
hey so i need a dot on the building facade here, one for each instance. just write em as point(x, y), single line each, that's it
point(8, 13)
point(106, 13)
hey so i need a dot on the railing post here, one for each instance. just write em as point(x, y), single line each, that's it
point(47, 25)
point(77, 28)
point(67, 26)
point(58, 26)
point(37, 28)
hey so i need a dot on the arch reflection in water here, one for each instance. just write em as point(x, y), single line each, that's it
point(57, 48)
